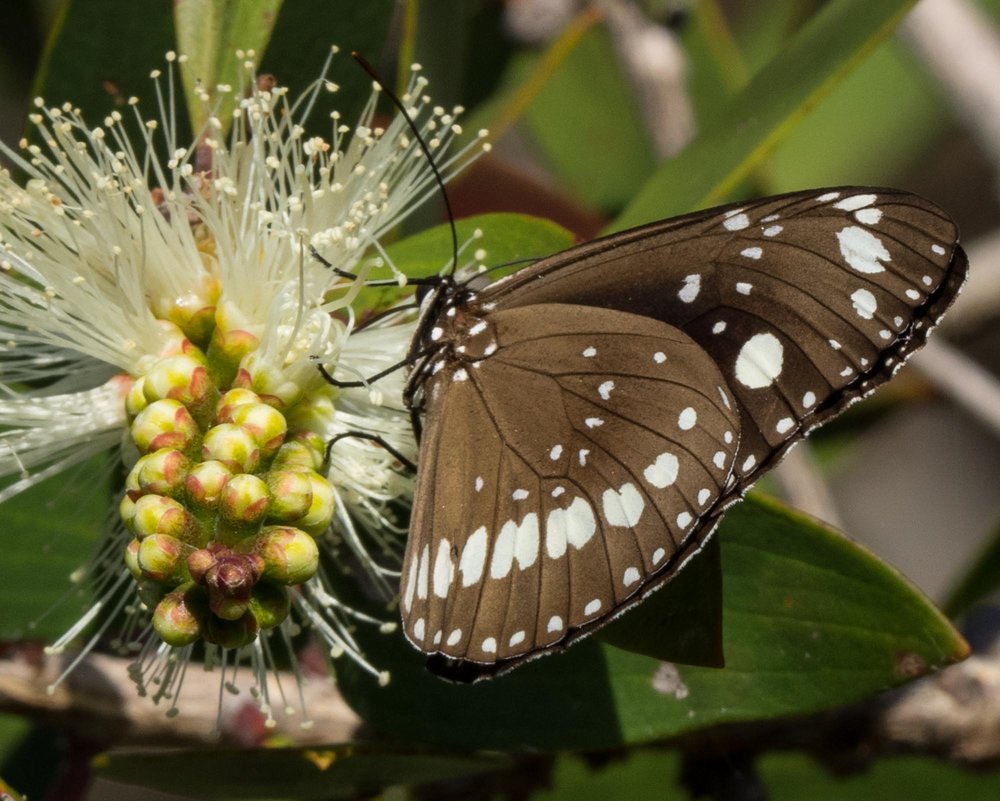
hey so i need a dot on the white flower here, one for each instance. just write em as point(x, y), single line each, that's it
point(177, 306)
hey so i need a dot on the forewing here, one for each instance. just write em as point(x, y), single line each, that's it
point(806, 301)
point(563, 477)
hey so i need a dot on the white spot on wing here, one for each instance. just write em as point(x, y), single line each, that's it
point(479, 483)
point(938, 249)
point(444, 569)
point(574, 525)
point(631, 576)
point(555, 624)
point(687, 418)
point(658, 555)
point(864, 303)
point(418, 629)
point(828, 196)
point(592, 607)
point(473, 558)
point(752, 253)
point(594, 422)
point(748, 463)
point(490, 645)
point(912, 294)
point(703, 495)
point(460, 374)
point(684, 520)
point(454, 637)
point(719, 460)
point(719, 327)
point(411, 585)
point(868, 216)
point(589, 353)
point(809, 400)
point(773, 230)
point(854, 202)
point(516, 638)
point(744, 288)
point(784, 425)
point(663, 472)
point(760, 361)
point(862, 250)
point(519, 494)
point(623, 507)
point(737, 222)
point(604, 390)
point(659, 357)
point(556, 452)
point(692, 285)
point(583, 456)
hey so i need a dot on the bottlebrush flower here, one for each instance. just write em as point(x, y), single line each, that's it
point(172, 311)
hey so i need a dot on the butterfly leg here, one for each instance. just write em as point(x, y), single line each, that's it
point(373, 438)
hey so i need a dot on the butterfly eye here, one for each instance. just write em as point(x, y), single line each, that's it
point(586, 431)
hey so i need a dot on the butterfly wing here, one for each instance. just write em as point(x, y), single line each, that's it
point(571, 468)
point(806, 301)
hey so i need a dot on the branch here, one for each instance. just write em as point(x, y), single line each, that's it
point(98, 696)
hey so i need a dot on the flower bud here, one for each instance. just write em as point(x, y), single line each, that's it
point(183, 378)
point(320, 513)
point(298, 453)
point(232, 633)
point(245, 500)
point(266, 423)
point(232, 445)
point(205, 482)
point(132, 558)
point(157, 514)
point(270, 604)
point(290, 555)
point(163, 472)
point(179, 618)
point(126, 508)
point(161, 557)
point(230, 400)
point(164, 424)
point(229, 582)
point(291, 494)
point(227, 349)
point(135, 399)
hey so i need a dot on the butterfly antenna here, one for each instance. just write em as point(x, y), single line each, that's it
point(423, 146)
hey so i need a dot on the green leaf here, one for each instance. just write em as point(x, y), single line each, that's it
point(682, 622)
point(811, 620)
point(982, 579)
point(588, 127)
point(100, 52)
point(507, 239)
point(791, 777)
point(778, 97)
point(48, 532)
point(326, 772)
point(209, 32)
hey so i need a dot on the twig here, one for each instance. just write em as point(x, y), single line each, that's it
point(99, 697)
point(961, 379)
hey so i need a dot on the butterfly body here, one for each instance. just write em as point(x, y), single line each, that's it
point(589, 418)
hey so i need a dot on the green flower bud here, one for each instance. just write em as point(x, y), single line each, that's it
point(226, 351)
point(183, 378)
point(317, 519)
point(312, 413)
point(132, 559)
point(157, 514)
point(298, 454)
point(232, 445)
point(245, 500)
point(126, 508)
point(230, 400)
point(135, 399)
point(265, 422)
point(164, 472)
point(205, 482)
point(150, 592)
point(290, 555)
point(164, 424)
point(232, 633)
point(291, 494)
point(162, 557)
point(180, 617)
point(270, 604)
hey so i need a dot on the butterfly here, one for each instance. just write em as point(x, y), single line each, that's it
point(587, 420)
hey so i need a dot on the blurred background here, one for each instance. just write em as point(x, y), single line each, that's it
point(584, 100)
